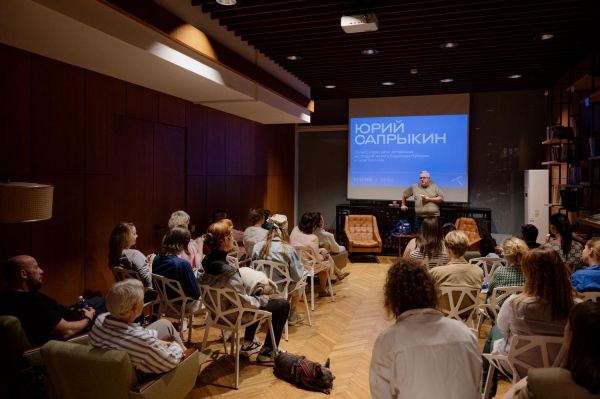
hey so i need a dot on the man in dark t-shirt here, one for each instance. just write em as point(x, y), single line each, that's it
point(42, 317)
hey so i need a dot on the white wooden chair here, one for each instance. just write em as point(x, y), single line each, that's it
point(593, 296)
point(490, 310)
point(310, 261)
point(488, 265)
point(461, 301)
point(227, 312)
point(280, 275)
point(174, 302)
point(547, 351)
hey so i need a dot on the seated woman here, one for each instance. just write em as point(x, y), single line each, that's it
point(569, 250)
point(588, 278)
point(423, 354)
point(429, 246)
point(541, 309)
point(120, 252)
point(220, 274)
point(581, 377)
point(303, 235)
point(277, 248)
point(327, 241)
point(170, 264)
point(511, 275)
point(193, 254)
point(255, 232)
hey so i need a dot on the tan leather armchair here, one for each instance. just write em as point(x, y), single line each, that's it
point(81, 371)
point(469, 227)
point(363, 234)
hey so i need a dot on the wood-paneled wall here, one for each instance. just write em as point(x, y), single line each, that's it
point(115, 152)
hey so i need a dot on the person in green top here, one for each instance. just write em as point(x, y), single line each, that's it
point(427, 196)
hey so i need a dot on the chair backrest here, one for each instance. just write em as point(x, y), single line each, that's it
point(226, 309)
point(593, 296)
point(500, 294)
point(469, 227)
point(488, 265)
point(13, 342)
point(534, 351)
point(173, 300)
point(361, 227)
point(81, 371)
point(276, 272)
point(310, 259)
point(459, 302)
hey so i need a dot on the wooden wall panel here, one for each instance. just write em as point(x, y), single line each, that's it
point(169, 175)
point(233, 135)
point(133, 182)
point(58, 243)
point(216, 139)
point(196, 139)
point(216, 193)
point(15, 135)
point(254, 189)
point(99, 220)
point(235, 202)
point(104, 98)
point(280, 195)
point(57, 127)
point(196, 204)
point(250, 148)
point(171, 110)
point(141, 103)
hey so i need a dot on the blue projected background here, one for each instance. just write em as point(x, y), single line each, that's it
point(391, 151)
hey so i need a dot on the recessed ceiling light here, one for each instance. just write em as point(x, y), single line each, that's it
point(414, 71)
point(515, 76)
point(226, 2)
point(330, 87)
point(369, 51)
point(388, 83)
point(449, 45)
point(447, 80)
point(293, 57)
point(546, 36)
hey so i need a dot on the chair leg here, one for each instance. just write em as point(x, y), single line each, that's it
point(205, 340)
point(272, 332)
point(307, 309)
point(236, 346)
point(312, 290)
point(224, 341)
point(488, 381)
point(190, 320)
point(330, 288)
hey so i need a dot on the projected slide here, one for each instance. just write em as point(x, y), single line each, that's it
point(390, 152)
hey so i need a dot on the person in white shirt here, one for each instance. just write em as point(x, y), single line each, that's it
point(153, 350)
point(254, 233)
point(423, 354)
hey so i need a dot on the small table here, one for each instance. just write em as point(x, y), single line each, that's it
point(403, 240)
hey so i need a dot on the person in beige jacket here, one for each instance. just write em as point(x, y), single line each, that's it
point(458, 271)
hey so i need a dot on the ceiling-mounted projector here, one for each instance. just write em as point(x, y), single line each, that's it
point(359, 23)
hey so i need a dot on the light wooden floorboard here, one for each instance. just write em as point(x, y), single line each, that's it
point(344, 330)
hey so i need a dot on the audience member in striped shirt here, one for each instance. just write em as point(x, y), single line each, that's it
point(152, 350)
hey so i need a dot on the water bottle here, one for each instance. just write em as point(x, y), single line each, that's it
point(82, 303)
point(485, 286)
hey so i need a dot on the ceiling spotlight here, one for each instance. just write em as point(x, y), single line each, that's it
point(515, 76)
point(369, 51)
point(226, 2)
point(546, 36)
point(414, 71)
point(388, 83)
point(293, 57)
point(449, 45)
point(330, 87)
point(447, 80)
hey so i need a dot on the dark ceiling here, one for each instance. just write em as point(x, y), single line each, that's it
point(496, 38)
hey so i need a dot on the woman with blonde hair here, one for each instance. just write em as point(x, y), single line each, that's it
point(121, 252)
point(219, 273)
point(511, 275)
point(276, 247)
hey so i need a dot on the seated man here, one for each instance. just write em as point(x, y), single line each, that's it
point(588, 278)
point(152, 350)
point(41, 317)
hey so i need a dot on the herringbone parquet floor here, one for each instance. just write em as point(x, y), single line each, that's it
point(344, 331)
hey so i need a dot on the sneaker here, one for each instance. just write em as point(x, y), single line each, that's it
point(266, 356)
point(343, 275)
point(295, 318)
point(249, 350)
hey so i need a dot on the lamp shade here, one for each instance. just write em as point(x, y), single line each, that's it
point(25, 202)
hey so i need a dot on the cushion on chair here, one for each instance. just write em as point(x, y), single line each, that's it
point(469, 227)
point(365, 243)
